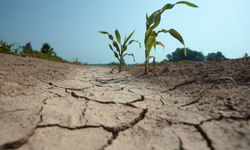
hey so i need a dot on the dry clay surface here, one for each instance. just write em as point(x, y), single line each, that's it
point(48, 105)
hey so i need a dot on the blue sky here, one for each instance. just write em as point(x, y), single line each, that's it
point(71, 27)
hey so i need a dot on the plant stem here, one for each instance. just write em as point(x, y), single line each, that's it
point(154, 63)
point(120, 66)
point(146, 62)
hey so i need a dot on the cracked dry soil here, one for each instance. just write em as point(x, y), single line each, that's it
point(195, 105)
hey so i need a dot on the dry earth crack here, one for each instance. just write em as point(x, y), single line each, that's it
point(22, 141)
point(115, 130)
point(109, 102)
point(200, 105)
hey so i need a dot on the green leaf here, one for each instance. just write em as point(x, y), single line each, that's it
point(104, 32)
point(111, 37)
point(118, 36)
point(150, 45)
point(126, 40)
point(147, 21)
point(167, 6)
point(176, 35)
point(148, 32)
point(132, 56)
point(116, 55)
point(115, 44)
point(159, 43)
point(187, 3)
point(163, 30)
point(157, 21)
point(111, 47)
point(117, 47)
point(129, 55)
point(154, 46)
point(150, 41)
point(147, 59)
point(185, 51)
point(124, 48)
point(114, 52)
point(131, 41)
point(151, 20)
point(124, 55)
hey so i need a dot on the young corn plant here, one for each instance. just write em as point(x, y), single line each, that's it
point(150, 35)
point(119, 50)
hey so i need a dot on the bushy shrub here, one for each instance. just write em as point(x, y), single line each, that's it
point(113, 64)
point(6, 48)
point(75, 61)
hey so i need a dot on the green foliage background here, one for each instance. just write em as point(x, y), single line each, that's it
point(47, 52)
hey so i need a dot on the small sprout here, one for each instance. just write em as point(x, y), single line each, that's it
point(120, 48)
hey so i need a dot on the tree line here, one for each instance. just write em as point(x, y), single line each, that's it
point(192, 55)
point(46, 51)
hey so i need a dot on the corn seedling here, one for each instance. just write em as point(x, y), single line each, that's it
point(150, 36)
point(119, 50)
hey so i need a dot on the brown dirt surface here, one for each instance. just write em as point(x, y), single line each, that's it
point(193, 105)
point(219, 85)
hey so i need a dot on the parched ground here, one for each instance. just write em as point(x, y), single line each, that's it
point(194, 105)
